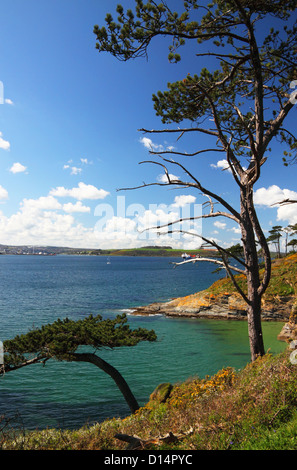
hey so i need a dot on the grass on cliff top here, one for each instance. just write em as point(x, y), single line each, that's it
point(283, 280)
point(158, 251)
point(255, 408)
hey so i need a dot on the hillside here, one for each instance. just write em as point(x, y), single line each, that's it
point(221, 300)
point(251, 409)
point(161, 251)
point(57, 250)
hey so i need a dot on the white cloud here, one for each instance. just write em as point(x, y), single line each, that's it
point(124, 232)
point(120, 225)
point(220, 225)
point(149, 144)
point(155, 218)
point(42, 203)
point(85, 161)
point(221, 164)
point(163, 178)
point(41, 221)
point(83, 191)
point(8, 101)
point(235, 230)
point(74, 169)
point(181, 201)
point(77, 207)
point(3, 193)
point(287, 213)
point(4, 144)
point(272, 195)
point(17, 168)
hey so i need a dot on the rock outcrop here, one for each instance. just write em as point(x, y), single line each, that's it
point(289, 330)
point(222, 301)
point(204, 304)
point(161, 393)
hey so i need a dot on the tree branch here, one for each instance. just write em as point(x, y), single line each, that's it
point(211, 260)
point(212, 195)
point(236, 285)
point(35, 360)
point(276, 124)
point(171, 152)
point(285, 202)
point(181, 131)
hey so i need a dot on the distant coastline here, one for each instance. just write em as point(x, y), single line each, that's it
point(143, 251)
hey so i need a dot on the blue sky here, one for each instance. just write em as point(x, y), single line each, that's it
point(69, 138)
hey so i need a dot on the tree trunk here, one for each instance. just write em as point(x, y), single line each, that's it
point(255, 329)
point(113, 373)
point(253, 278)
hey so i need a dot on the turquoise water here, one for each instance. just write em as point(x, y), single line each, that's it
point(36, 290)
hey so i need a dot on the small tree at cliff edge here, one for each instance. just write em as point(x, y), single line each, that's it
point(61, 340)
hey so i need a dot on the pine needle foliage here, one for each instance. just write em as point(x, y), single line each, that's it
point(62, 338)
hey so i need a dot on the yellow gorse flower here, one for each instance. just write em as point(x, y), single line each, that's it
point(197, 388)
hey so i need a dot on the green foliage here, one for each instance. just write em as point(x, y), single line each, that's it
point(292, 243)
point(255, 410)
point(228, 27)
point(282, 282)
point(236, 250)
point(62, 338)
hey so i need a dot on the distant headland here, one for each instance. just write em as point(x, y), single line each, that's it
point(165, 251)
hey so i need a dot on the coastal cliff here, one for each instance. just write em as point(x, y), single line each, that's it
point(207, 305)
point(222, 301)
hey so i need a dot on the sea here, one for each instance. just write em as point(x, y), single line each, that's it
point(36, 290)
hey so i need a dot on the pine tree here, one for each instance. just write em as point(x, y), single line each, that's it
point(247, 98)
point(61, 340)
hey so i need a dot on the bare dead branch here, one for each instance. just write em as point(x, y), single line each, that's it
point(285, 202)
point(211, 260)
point(210, 242)
point(190, 129)
point(136, 443)
point(185, 154)
point(207, 192)
point(229, 268)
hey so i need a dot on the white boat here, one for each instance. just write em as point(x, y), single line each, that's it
point(185, 256)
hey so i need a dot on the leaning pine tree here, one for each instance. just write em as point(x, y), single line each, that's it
point(61, 340)
point(242, 105)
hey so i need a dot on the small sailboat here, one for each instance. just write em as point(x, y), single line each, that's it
point(108, 261)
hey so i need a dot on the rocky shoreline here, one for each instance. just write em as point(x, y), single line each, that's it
point(228, 307)
point(222, 301)
point(221, 306)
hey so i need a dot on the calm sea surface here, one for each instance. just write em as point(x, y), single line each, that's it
point(36, 290)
